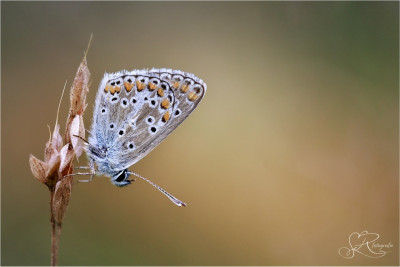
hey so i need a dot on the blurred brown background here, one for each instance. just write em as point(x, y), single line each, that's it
point(294, 147)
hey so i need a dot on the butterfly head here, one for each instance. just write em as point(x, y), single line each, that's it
point(120, 179)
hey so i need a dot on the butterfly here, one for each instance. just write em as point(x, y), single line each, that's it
point(134, 111)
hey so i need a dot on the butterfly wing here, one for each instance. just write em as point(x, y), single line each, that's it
point(135, 111)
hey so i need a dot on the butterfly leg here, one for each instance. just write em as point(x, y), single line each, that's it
point(92, 172)
point(88, 180)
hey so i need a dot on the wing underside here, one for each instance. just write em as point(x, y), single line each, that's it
point(135, 111)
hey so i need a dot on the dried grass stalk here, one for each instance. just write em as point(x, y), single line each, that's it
point(59, 156)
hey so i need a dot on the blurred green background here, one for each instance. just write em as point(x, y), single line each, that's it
point(294, 147)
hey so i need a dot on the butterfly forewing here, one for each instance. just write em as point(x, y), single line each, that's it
point(136, 110)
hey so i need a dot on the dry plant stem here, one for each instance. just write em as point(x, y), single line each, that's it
point(54, 245)
point(59, 156)
point(55, 234)
point(56, 231)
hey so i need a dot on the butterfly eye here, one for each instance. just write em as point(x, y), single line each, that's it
point(121, 178)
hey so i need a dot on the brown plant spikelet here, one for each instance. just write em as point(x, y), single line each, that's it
point(61, 196)
point(78, 93)
point(58, 157)
point(57, 166)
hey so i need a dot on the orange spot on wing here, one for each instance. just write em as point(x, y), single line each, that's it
point(112, 89)
point(160, 92)
point(166, 116)
point(140, 86)
point(184, 88)
point(192, 96)
point(165, 103)
point(128, 86)
point(175, 84)
point(117, 89)
point(152, 86)
point(107, 88)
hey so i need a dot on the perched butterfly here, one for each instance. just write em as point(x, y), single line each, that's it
point(134, 111)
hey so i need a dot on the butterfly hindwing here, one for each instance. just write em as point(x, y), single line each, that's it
point(136, 110)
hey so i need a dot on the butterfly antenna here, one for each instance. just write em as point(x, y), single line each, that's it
point(83, 139)
point(171, 197)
